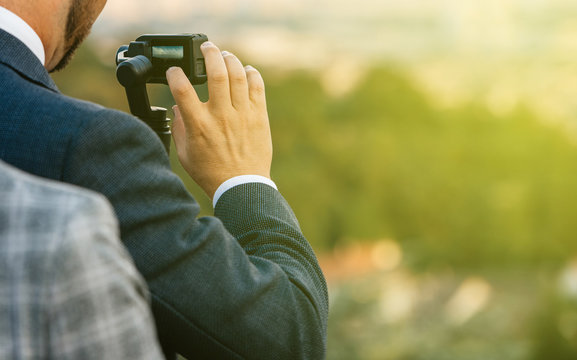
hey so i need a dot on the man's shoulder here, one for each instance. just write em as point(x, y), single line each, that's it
point(35, 205)
point(46, 225)
point(29, 97)
point(41, 126)
point(24, 188)
point(74, 116)
point(45, 222)
point(66, 271)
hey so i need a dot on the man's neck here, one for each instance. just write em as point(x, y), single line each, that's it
point(17, 27)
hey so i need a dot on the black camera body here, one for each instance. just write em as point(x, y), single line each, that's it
point(164, 51)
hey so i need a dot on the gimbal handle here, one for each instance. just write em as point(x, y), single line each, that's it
point(133, 73)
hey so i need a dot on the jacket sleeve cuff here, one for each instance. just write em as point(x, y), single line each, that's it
point(240, 180)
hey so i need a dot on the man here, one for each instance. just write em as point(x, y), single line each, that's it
point(68, 289)
point(242, 284)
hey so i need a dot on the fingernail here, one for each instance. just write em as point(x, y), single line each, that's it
point(249, 67)
point(207, 44)
point(171, 69)
point(225, 53)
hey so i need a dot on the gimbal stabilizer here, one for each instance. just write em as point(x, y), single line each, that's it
point(146, 61)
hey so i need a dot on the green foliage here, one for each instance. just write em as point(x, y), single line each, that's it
point(525, 317)
point(461, 187)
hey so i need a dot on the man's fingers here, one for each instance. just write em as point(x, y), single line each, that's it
point(255, 86)
point(183, 92)
point(237, 79)
point(217, 75)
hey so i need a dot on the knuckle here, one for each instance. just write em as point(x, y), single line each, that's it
point(237, 78)
point(220, 111)
point(258, 89)
point(218, 76)
point(182, 90)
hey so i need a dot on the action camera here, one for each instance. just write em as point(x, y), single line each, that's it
point(164, 51)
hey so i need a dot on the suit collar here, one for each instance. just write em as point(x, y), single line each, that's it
point(16, 55)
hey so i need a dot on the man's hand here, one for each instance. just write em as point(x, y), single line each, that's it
point(229, 135)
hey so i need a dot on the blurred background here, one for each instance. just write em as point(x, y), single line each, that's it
point(429, 149)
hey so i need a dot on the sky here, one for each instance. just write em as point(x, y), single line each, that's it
point(499, 51)
point(375, 28)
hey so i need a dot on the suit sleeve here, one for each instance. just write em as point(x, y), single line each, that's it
point(243, 284)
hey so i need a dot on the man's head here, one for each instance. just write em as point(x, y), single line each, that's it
point(60, 24)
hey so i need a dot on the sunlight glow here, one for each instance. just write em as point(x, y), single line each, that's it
point(470, 298)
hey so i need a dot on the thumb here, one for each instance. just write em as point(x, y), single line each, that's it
point(178, 129)
point(183, 92)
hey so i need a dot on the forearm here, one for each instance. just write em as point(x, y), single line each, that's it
point(267, 229)
point(210, 296)
point(266, 298)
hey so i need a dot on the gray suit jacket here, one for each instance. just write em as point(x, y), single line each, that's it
point(68, 288)
point(243, 284)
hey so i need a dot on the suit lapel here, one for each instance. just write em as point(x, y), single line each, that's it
point(16, 55)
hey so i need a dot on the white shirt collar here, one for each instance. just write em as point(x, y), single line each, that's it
point(13, 24)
